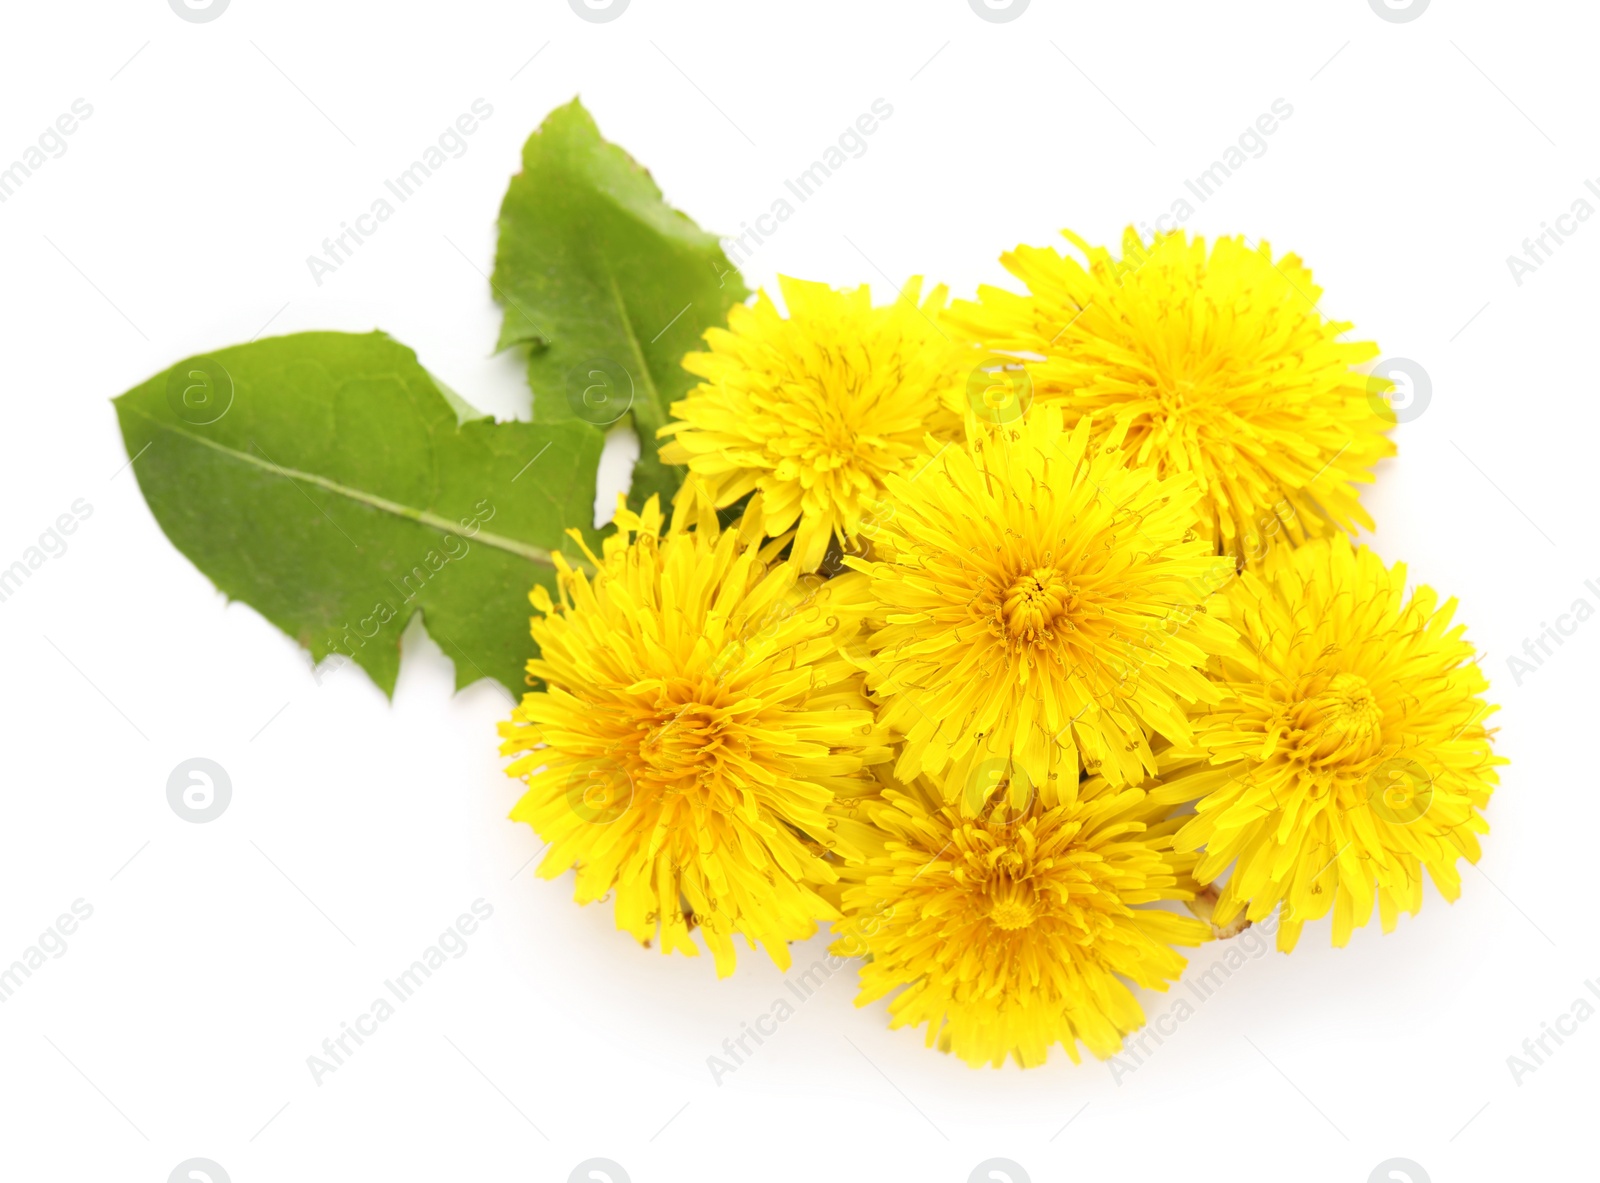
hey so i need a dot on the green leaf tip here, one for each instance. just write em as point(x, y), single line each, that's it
point(607, 285)
point(331, 483)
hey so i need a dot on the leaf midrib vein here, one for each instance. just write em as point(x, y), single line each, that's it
point(638, 352)
point(426, 517)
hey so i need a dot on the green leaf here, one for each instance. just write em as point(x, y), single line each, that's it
point(608, 285)
point(328, 481)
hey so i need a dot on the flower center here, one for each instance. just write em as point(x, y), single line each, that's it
point(1339, 718)
point(1035, 602)
point(682, 745)
point(1175, 395)
point(1012, 904)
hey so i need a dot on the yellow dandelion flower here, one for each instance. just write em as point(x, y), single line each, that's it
point(815, 410)
point(1017, 929)
point(1211, 362)
point(1348, 751)
point(694, 724)
point(1039, 600)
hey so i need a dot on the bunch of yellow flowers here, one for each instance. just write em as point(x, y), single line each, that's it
point(1021, 640)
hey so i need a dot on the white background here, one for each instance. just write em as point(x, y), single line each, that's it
point(219, 155)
